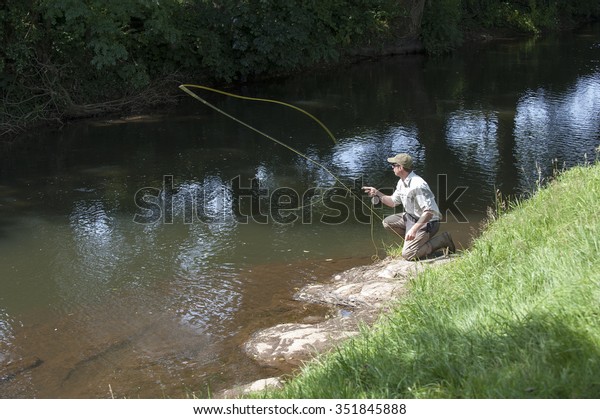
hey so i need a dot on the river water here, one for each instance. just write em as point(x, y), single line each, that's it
point(138, 254)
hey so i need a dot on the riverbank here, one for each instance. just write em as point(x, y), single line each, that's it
point(50, 77)
point(514, 317)
point(355, 298)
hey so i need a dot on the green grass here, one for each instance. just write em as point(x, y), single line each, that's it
point(516, 316)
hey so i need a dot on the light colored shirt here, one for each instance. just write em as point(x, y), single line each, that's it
point(416, 197)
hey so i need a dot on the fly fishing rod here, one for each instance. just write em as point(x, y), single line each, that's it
point(187, 89)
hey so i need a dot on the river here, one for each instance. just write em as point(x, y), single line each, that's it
point(137, 254)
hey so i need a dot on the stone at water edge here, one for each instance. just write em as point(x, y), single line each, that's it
point(292, 343)
point(258, 385)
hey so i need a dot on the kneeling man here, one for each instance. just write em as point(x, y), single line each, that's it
point(420, 220)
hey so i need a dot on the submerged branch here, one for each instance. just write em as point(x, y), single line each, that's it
point(41, 97)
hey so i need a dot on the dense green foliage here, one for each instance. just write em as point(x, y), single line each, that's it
point(61, 59)
point(514, 317)
point(446, 22)
point(441, 29)
point(58, 56)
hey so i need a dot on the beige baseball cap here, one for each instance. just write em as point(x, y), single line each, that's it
point(402, 159)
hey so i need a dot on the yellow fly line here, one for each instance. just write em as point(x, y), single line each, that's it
point(187, 89)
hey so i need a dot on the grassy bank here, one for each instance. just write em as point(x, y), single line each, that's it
point(518, 316)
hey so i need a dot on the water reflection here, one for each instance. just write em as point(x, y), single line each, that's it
point(207, 201)
point(5, 337)
point(557, 126)
point(91, 225)
point(405, 140)
point(367, 152)
point(473, 135)
point(209, 302)
point(206, 290)
point(99, 246)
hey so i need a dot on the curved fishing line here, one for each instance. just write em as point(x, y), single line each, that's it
point(185, 88)
point(375, 257)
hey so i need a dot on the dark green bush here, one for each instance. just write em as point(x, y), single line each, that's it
point(441, 31)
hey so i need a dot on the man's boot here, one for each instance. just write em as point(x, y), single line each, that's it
point(442, 241)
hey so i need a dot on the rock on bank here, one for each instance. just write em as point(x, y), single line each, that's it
point(357, 297)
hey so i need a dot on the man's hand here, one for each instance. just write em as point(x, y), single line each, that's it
point(371, 191)
point(412, 233)
point(385, 199)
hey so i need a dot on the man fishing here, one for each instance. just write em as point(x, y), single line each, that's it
point(420, 220)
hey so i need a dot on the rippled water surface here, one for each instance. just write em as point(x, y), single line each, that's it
point(135, 257)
